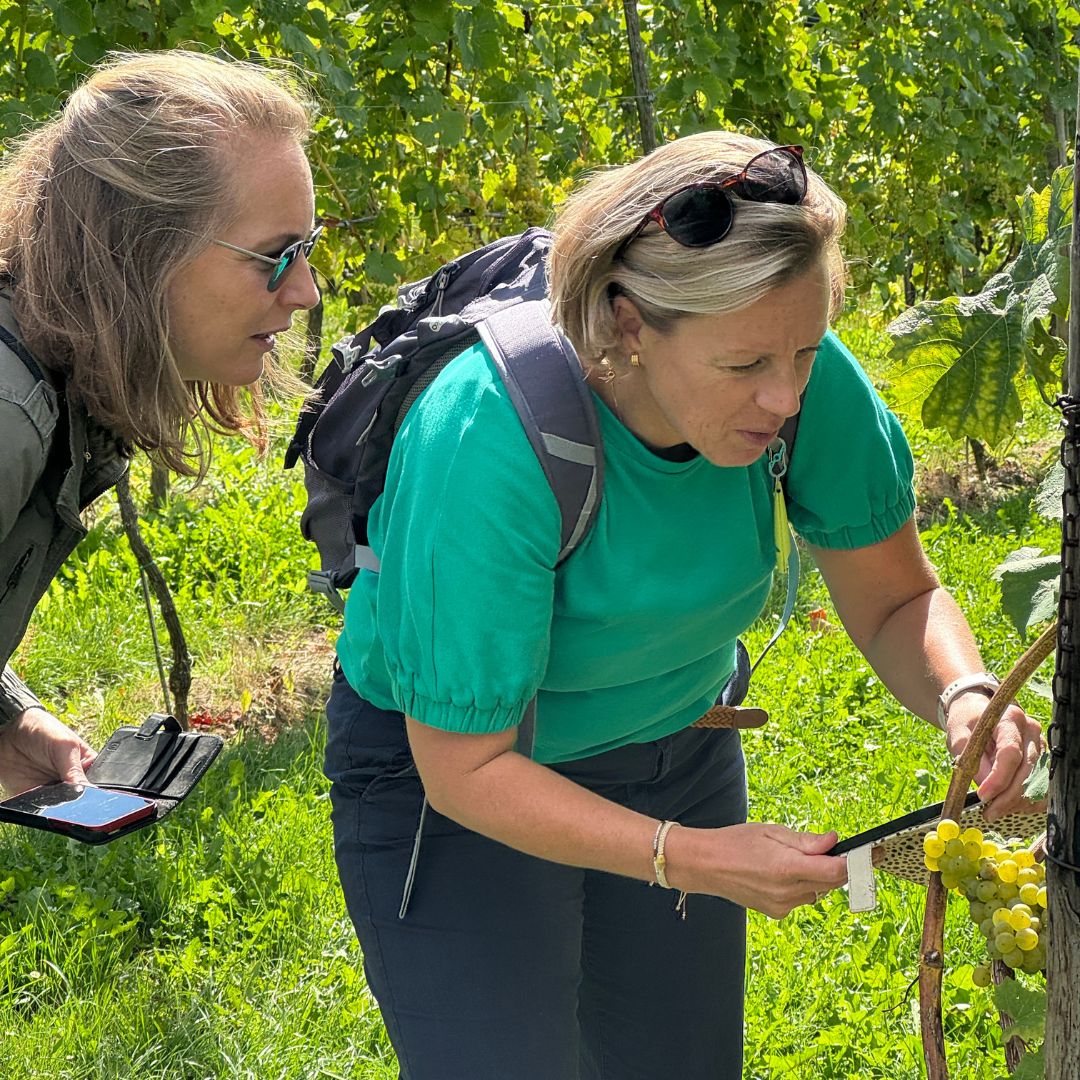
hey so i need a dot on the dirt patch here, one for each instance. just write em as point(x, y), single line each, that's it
point(271, 686)
point(971, 493)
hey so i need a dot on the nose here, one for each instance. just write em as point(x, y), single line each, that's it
point(299, 290)
point(779, 395)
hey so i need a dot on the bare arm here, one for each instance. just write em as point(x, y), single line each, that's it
point(916, 638)
point(482, 783)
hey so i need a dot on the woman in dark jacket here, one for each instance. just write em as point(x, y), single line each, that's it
point(147, 241)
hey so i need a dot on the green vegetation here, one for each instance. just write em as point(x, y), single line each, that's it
point(218, 945)
point(445, 123)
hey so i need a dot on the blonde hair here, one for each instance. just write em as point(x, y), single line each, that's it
point(768, 245)
point(102, 207)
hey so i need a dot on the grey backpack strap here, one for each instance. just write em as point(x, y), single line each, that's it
point(546, 383)
point(22, 352)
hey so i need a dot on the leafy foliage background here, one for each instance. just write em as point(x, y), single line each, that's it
point(445, 123)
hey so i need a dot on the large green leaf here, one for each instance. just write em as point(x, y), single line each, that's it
point(958, 358)
point(1031, 1066)
point(1029, 587)
point(1025, 1005)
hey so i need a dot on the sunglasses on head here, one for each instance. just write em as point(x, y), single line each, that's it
point(701, 214)
point(282, 261)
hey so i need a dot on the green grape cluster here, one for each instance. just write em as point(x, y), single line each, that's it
point(1006, 892)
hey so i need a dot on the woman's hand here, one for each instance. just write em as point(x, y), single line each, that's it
point(1010, 755)
point(769, 868)
point(35, 749)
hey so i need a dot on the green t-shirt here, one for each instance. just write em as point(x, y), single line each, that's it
point(633, 637)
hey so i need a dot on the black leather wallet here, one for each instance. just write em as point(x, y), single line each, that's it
point(159, 761)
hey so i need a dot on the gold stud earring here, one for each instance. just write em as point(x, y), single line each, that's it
point(635, 360)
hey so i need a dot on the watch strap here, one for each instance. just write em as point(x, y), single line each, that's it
point(982, 681)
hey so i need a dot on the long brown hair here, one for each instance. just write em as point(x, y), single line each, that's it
point(104, 204)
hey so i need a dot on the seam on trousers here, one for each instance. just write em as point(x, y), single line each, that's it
point(404, 1063)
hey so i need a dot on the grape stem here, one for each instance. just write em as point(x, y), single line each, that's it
point(932, 950)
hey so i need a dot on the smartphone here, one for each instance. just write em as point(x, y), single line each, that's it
point(97, 809)
point(897, 825)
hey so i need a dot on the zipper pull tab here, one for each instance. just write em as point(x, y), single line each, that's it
point(777, 465)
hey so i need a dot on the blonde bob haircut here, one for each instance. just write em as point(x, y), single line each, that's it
point(104, 205)
point(768, 245)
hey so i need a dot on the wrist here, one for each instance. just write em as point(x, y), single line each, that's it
point(980, 683)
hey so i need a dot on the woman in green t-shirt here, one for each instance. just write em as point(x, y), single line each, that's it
point(522, 941)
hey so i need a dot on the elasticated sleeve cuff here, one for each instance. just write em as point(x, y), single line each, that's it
point(463, 717)
point(15, 697)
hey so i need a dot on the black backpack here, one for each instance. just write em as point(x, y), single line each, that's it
point(496, 294)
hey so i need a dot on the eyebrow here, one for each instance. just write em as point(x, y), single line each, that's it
point(769, 355)
point(276, 243)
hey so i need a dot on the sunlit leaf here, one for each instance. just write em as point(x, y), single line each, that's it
point(958, 357)
point(1026, 1006)
point(1029, 587)
point(1037, 785)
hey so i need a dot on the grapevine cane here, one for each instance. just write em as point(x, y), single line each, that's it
point(931, 959)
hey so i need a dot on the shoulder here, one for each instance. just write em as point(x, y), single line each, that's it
point(465, 416)
point(28, 402)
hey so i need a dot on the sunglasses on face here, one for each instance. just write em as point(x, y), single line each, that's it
point(282, 261)
point(700, 215)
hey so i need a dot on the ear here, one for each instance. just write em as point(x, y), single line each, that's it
point(628, 323)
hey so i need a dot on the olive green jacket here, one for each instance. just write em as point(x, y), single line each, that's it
point(56, 460)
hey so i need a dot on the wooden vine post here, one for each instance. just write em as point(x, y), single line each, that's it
point(1062, 1045)
point(640, 70)
point(931, 956)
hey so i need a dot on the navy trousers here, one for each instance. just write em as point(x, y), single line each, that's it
point(509, 967)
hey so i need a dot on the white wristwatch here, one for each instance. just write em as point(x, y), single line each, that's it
point(982, 681)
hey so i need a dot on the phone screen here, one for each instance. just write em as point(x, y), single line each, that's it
point(89, 807)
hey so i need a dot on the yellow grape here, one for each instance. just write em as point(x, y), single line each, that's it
point(930, 863)
point(947, 829)
point(1008, 870)
point(1014, 959)
point(1019, 919)
point(1028, 875)
point(1024, 859)
point(989, 849)
point(1004, 941)
point(1000, 916)
point(972, 835)
point(933, 845)
point(1029, 893)
point(981, 976)
point(1042, 896)
point(1026, 939)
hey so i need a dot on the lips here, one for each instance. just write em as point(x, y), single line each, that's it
point(269, 335)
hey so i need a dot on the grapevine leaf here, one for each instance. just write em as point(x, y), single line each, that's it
point(957, 357)
point(1026, 1006)
point(1037, 785)
point(73, 17)
point(1048, 497)
point(1029, 586)
point(1031, 1066)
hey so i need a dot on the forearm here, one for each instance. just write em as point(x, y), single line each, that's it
point(533, 809)
point(480, 782)
point(922, 647)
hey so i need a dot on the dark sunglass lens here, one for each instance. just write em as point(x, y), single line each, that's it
point(698, 216)
point(775, 176)
point(285, 260)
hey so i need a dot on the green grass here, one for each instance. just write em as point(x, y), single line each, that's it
point(218, 945)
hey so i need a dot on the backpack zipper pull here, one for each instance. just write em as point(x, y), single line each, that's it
point(777, 465)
